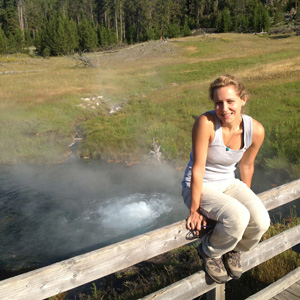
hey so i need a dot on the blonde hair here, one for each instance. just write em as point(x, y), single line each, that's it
point(226, 80)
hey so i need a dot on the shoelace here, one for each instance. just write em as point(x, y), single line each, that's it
point(218, 263)
point(235, 256)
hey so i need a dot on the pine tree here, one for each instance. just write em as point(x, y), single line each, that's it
point(72, 33)
point(241, 24)
point(103, 36)
point(19, 40)
point(39, 41)
point(101, 12)
point(10, 18)
point(173, 30)
point(297, 17)
point(3, 42)
point(88, 39)
point(219, 25)
point(186, 31)
point(227, 22)
point(152, 33)
point(28, 40)
point(86, 24)
point(112, 40)
point(260, 18)
point(52, 36)
point(224, 21)
point(36, 11)
point(141, 20)
point(67, 34)
point(196, 12)
point(265, 20)
point(62, 36)
point(163, 14)
point(11, 43)
point(279, 16)
point(57, 36)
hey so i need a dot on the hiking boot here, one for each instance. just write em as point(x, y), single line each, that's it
point(213, 267)
point(233, 264)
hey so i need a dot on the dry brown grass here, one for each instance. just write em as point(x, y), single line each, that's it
point(282, 69)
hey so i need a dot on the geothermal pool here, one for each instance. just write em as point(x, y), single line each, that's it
point(52, 212)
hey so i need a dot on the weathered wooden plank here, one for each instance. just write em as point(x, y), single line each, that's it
point(281, 195)
point(68, 274)
point(65, 275)
point(278, 286)
point(285, 295)
point(198, 284)
point(291, 293)
point(296, 286)
point(294, 289)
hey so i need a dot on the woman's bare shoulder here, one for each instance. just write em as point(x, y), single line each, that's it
point(258, 130)
point(204, 126)
point(206, 119)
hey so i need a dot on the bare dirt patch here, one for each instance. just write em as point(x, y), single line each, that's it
point(143, 51)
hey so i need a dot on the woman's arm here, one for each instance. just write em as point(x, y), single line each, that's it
point(201, 136)
point(246, 164)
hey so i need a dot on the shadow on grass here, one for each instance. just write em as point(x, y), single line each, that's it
point(282, 36)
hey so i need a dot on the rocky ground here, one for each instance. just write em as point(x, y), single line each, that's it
point(133, 53)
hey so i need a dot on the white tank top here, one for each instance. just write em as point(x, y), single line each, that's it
point(221, 164)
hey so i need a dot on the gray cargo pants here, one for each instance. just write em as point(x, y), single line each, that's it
point(241, 217)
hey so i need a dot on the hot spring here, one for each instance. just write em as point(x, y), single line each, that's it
point(53, 212)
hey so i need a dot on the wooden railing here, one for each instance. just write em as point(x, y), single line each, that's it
point(68, 274)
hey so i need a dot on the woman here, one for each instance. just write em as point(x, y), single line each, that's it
point(221, 138)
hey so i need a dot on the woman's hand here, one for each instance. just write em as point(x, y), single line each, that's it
point(195, 221)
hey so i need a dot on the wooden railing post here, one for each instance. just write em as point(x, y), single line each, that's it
point(218, 293)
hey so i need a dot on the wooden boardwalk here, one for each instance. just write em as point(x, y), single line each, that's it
point(291, 293)
point(286, 288)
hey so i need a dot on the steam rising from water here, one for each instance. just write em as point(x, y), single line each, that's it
point(49, 213)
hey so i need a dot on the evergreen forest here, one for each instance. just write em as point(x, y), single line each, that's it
point(59, 27)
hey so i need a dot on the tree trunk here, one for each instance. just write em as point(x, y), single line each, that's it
point(124, 30)
point(121, 24)
point(92, 13)
point(116, 24)
point(20, 7)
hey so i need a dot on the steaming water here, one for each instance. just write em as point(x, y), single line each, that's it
point(137, 209)
point(53, 212)
point(49, 213)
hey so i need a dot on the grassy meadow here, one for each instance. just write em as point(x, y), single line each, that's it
point(159, 89)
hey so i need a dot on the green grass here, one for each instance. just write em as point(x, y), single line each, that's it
point(37, 132)
point(161, 95)
point(185, 73)
point(168, 111)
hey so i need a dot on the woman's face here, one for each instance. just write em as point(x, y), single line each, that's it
point(228, 104)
